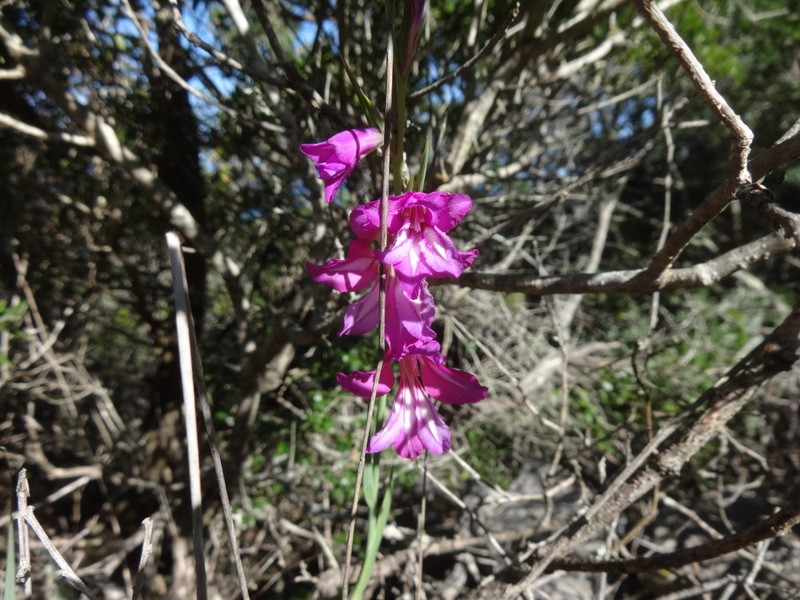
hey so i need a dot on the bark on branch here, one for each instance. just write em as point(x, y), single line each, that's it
point(635, 281)
point(771, 527)
point(741, 139)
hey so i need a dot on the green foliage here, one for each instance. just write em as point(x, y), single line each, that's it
point(490, 451)
point(11, 316)
point(10, 320)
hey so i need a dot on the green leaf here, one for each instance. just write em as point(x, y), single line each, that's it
point(373, 117)
point(120, 43)
point(418, 181)
point(377, 523)
point(371, 481)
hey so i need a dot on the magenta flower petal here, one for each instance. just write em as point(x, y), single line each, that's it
point(439, 209)
point(442, 210)
point(362, 316)
point(387, 435)
point(360, 383)
point(425, 252)
point(351, 274)
point(413, 425)
point(409, 317)
point(365, 219)
point(336, 157)
point(450, 385)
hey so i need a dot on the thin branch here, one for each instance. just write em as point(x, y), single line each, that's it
point(216, 459)
point(741, 137)
point(636, 281)
point(677, 442)
point(65, 571)
point(488, 47)
point(17, 72)
point(774, 526)
point(41, 135)
point(24, 570)
point(762, 198)
point(147, 550)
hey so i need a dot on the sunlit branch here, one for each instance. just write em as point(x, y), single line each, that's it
point(636, 281)
point(45, 136)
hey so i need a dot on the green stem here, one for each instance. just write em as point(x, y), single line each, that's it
point(379, 515)
point(398, 143)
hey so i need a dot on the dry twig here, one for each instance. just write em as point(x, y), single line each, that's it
point(678, 441)
point(182, 311)
point(26, 514)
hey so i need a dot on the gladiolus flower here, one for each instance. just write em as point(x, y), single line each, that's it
point(418, 247)
point(419, 223)
point(409, 314)
point(414, 424)
point(350, 274)
point(336, 157)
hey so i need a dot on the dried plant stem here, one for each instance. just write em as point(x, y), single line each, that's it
point(26, 514)
point(147, 550)
point(205, 409)
point(180, 287)
point(741, 137)
point(216, 459)
point(420, 593)
point(381, 311)
point(676, 442)
point(24, 570)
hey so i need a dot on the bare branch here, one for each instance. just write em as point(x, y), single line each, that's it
point(635, 281)
point(147, 550)
point(65, 571)
point(741, 137)
point(774, 526)
point(679, 440)
point(17, 72)
point(24, 568)
point(41, 135)
point(488, 47)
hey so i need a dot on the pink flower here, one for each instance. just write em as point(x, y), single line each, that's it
point(419, 224)
point(336, 157)
point(409, 313)
point(414, 424)
point(350, 274)
point(409, 316)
